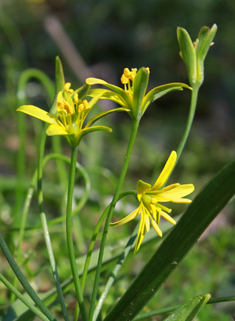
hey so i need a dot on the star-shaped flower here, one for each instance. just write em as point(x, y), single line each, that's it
point(133, 97)
point(149, 198)
point(70, 115)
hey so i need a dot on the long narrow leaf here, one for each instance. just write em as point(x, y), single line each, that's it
point(189, 310)
point(206, 206)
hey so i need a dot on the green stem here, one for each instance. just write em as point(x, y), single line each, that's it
point(115, 271)
point(23, 299)
point(53, 265)
point(135, 126)
point(21, 124)
point(189, 121)
point(91, 246)
point(23, 280)
point(69, 211)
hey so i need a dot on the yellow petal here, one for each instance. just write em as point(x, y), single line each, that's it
point(142, 188)
point(168, 217)
point(141, 233)
point(177, 192)
point(182, 200)
point(95, 81)
point(126, 219)
point(147, 223)
point(38, 113)
point(53, 130)
point(167, 188)
point(156, 228)
point(165, 172)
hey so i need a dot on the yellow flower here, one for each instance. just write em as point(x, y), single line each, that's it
point(71, 112)
point(150, 197)
point(133, 97)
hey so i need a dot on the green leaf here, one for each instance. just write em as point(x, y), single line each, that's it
point(187, 52)
point(206, 206)
point(140, 84)
point(160, 91)
point(190, 309)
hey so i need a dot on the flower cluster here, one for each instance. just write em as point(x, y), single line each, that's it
point(149, 198)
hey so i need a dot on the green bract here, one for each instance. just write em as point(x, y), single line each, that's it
point(133, 97)
point(195, 53)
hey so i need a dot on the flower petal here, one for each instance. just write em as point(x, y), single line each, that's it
point(38, 113)
point(156, 228)
point(124, 96)
point(182, 200)
point(107, 94)
point(168, 218)
point(142, 188)
point(128, 218)
point(176, 193)
point(165, 172)
point(104, 113)
point(53, 130)
point(141, 233)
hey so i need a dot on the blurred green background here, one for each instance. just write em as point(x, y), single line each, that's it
point(101, 38)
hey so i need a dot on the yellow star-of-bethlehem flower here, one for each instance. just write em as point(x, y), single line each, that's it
point(70, 116)
point(149, 198)
point(133, 97)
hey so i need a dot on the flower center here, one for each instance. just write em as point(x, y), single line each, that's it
point(129, 76)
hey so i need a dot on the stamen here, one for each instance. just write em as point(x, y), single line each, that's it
point(67, 86)
point(127, 73)
point(124, 80)
point(75, 98)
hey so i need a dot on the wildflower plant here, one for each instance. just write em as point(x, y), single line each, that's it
point(68, 117)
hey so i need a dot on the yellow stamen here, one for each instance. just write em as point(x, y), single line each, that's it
point(133, 73)
point(85, 104)
point(127, 73)
point(67, 86)
point(75, 97)
point(124, 80)
point(148, 70)
point(80, 108)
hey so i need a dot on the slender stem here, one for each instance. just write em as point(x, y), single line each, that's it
point(53, 265)
point(94, 236)
point(189, 121)
point(23, 298)
point(23, 280)
point(115, 271)
point(70, 245)
point(135, 126)
point(184, 138)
